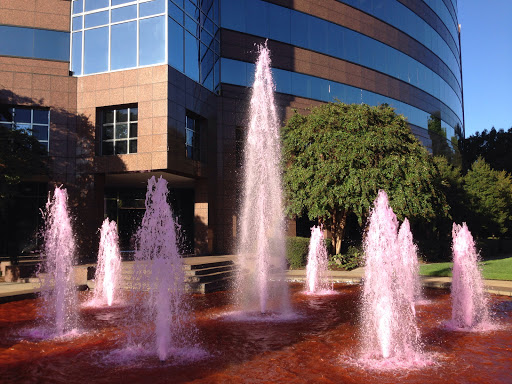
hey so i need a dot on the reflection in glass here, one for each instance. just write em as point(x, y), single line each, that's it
point(175, 45)
point(40, 116)
point(96, 50)
point(22, 115)
point(191, 57)
point(96, 19)
point(152, 40)
point(153, 7)
point(78, 6)
point(121, 147)
point(121, 131)
point(77, 23)
point(121, 115)
point(124, 13)
point(91, 5)
point(76, 55)
point(123, 49)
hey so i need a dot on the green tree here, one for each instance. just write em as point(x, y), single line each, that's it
point(339, 156)
point(493, 146)
point(21, 156)
point(489, 196)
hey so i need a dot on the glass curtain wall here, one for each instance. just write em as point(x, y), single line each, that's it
point(110, 35)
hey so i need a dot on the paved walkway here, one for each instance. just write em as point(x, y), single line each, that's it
point(22, 290)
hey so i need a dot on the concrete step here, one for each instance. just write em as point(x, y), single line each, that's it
point(207, 271)
point(209, 278)
point(208, 265)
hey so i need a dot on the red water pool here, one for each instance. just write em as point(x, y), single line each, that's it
point(319, 345)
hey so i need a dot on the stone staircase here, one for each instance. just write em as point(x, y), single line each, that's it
point(203, 274)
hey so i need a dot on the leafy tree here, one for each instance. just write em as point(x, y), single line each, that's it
point(21, 156)
point(489, 196)
point(339, 156)
point(493, 146)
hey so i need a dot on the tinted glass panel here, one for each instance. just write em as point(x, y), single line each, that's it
point(96, 50)
point(152, 41)
point(108, 132)
point(191, 57)
point(16, 41)
point(124, 13)
point(76, 57)
point(108, 116)
point(91, 5)
point(134, 114)
point(40, 132)
point(117, 2)
point(124, 46)
point(133, 129)
point(51, 45)
point(121, 131)
point(108, 148)
point(96, 19)
point(133, 146)
point(40, 116)
point(121, 115)
point(151, 8)
point(78, 6)
point(22, 115)
point(77, 23)
point(121, 147)
point(175, 12)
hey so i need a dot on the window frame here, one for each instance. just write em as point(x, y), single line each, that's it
point(13, 124)
point(129, 139)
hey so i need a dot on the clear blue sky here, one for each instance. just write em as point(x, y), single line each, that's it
point(486, 38)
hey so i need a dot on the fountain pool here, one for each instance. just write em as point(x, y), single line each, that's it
point(321, 345)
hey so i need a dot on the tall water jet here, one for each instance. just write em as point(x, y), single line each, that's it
point(389, 329)
point(469, 300)
point(261, 246)
point(316, 269)
point(58, 290)
point(159, 277)
point(410, 270)
point(109, 265)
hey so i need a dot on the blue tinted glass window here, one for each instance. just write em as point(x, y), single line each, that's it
point(279, 23)
point(51, 44)
point(91, 5)
point(191, 57)
point(151, 8)
point(78, 6)
point(117, 2)
point(40, 116)
point(152, 40)
point(16, 41)
point(96, 50)
point(96, 19)
point(76, 56)
point(230, 14)
point(175, 12)
point(191, 25)
point(124, 13)
point(257, 23)
point(191, 8)
point(123, 46)
point(175, 45)
point(77, 23)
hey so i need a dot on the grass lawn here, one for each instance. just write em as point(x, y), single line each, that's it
point(500, 269)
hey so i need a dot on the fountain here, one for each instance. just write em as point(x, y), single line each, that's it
point(59, 307)
point(260, 285)
point(389, 332)
point(158, 290)
point(469, 300)
point(316, 269)
point(109, 265)
point(408, 255)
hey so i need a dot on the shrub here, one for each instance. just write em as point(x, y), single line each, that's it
point(350, 260)
point(297, 249)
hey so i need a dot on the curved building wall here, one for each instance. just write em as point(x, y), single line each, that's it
point(401, 52)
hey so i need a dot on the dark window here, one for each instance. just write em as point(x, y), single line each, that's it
point(239, 146)
point(192, 137)
point(35, 122)
point(119, 130)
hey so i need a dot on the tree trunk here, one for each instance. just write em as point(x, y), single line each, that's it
point(339, 221)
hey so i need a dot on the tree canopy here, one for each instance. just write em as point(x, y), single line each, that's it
point(21, 156)
point(340, 155)
point(493, 146)
point(489, 196)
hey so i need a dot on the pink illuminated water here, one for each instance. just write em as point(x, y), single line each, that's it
point(316, 269)
point(158, 283)
point(469, 300)
point(59, 307)
point(109, 265)
point(408, 256)
point(389, 331)
point(261, 247)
